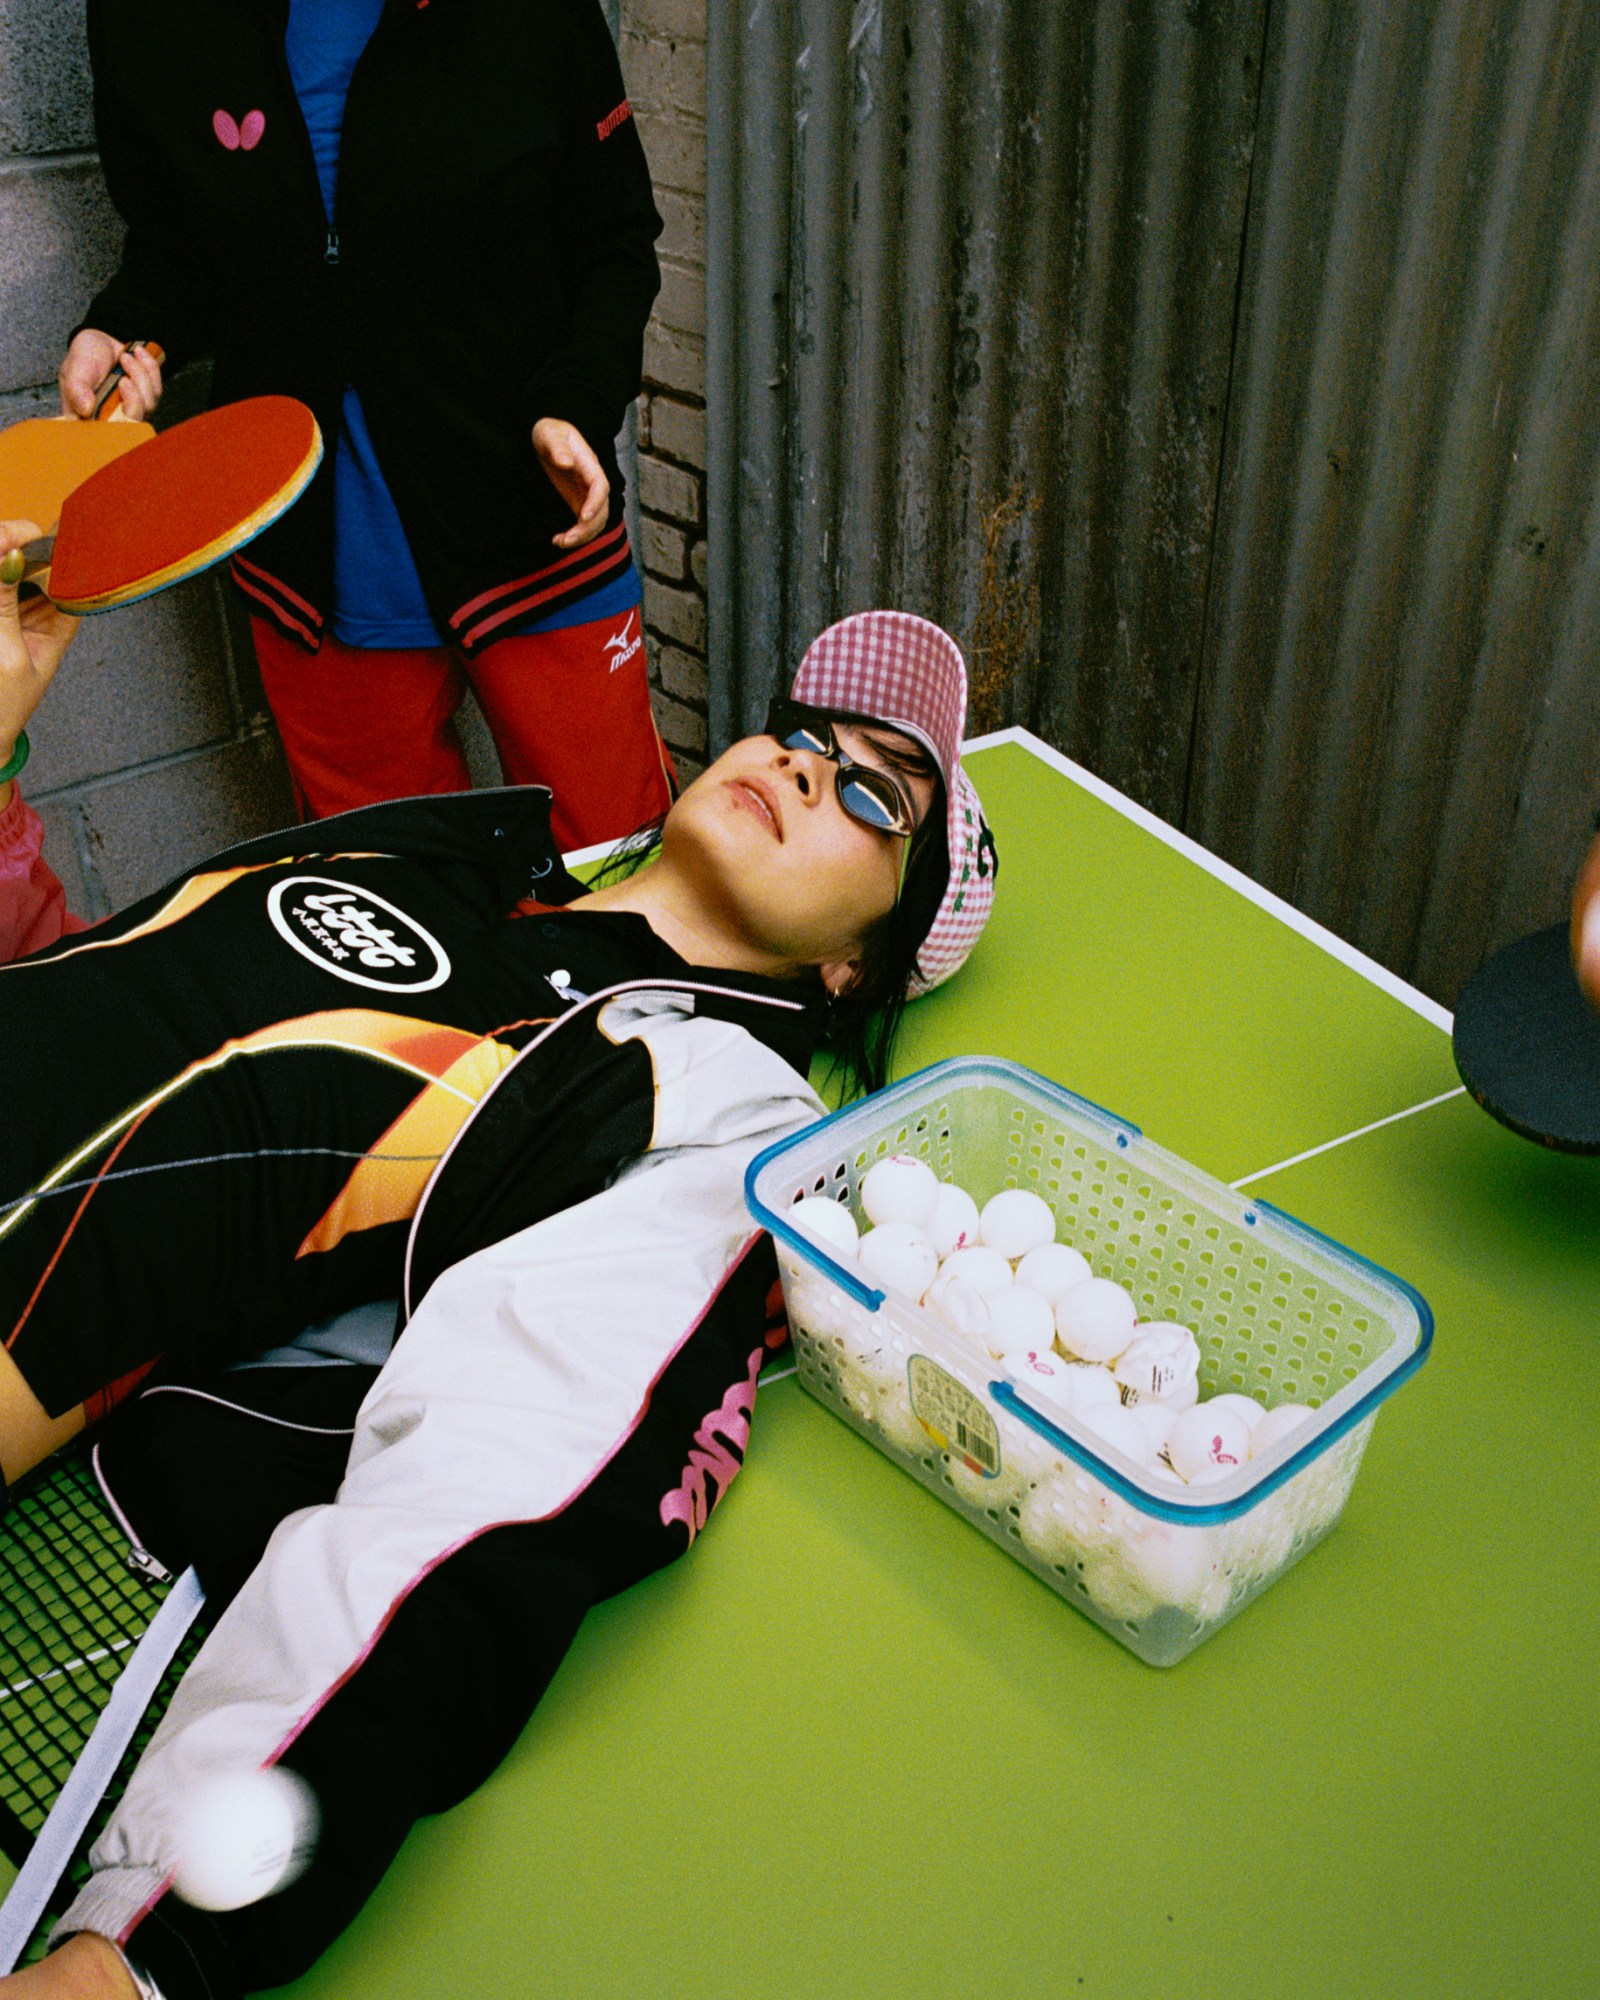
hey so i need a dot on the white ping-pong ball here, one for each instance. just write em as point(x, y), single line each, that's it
point(1157, 1419)
point(1245, 1408)
point(1046, 1528)
point(899, 1255)
point(960, 1305)
point(1053, 1268)
point(1015, 1222)
point(1040, 1371)
point(854, 1388)
point(900, 1189)
point(896, 1420)
point(1277, 1424)
point(1207, 1474)
point(1202, 1448)
point(1175, 1563)
point(826, 1222)
point(954, 1222)
point(242, 1836)
point(1119, 1427)
point(1159, 1360)
point(1270, 1527)
point(1018, 1320)
point(985, 1268)
point(1090, 1384)
point(1115, 1587)
point(1095, 1320)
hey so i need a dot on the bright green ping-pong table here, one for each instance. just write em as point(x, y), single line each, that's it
point(849, 1750)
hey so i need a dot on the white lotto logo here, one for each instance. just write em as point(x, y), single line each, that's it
point(356, 935)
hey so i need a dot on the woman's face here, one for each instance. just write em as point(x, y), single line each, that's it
point(778, 856)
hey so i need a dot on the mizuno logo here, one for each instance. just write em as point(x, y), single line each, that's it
point(624, 644)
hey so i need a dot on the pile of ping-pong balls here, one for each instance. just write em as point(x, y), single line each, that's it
point(998, 1277)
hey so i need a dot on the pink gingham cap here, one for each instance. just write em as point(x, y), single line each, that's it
point(893, 667)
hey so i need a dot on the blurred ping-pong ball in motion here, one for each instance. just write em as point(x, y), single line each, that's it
point(244, 1835)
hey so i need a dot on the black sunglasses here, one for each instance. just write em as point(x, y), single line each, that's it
point(868, 795)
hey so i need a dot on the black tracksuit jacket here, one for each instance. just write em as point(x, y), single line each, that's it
point(490, 262)
point(587, 1304)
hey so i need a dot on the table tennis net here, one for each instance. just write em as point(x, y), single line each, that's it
point(72, 1614)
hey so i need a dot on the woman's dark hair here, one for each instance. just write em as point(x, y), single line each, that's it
point(629, 854)
point(860, 1025)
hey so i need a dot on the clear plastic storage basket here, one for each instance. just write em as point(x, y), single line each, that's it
point(1281, 1313)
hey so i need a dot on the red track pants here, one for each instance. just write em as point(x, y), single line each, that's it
point(567, 709)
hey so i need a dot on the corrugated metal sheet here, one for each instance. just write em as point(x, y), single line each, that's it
point(1400, 722)
point(973, 277)
point(1224, 378)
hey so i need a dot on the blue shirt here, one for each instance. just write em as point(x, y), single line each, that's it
point(377, 593)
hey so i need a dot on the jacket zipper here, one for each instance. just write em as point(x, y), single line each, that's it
point(330, 247)
point(136, 1556)
point(142, 1563)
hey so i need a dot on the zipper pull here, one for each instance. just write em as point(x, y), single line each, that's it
point(330, 250)
point(142, 1563)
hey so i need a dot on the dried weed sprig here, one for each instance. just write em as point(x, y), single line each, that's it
point(1003, 649)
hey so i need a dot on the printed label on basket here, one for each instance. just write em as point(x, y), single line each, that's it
point(953, 1417)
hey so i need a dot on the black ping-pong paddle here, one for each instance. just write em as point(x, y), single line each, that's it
point(1527, 1043)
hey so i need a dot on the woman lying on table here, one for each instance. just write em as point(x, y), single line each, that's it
point(403, 1054)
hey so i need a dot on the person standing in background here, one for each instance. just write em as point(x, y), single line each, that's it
point(432, 221)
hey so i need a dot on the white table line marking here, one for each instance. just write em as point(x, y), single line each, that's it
point(1224, 871)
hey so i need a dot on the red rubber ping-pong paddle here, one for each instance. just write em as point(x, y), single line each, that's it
point(43, 459)
point(187, 499)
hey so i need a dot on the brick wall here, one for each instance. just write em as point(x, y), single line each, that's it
point(663, 49)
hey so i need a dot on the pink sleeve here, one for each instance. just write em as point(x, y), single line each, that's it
point(33, 904)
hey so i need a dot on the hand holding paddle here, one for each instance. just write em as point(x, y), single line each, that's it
point(573, 470)
point(34, 636)
point(96, 363)
point(43, 459)
point(1527, 1027)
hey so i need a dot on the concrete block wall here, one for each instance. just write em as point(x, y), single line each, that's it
point(663, 50)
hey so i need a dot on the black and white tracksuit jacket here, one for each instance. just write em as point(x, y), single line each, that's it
point(490, 262)
point(585, 1310)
